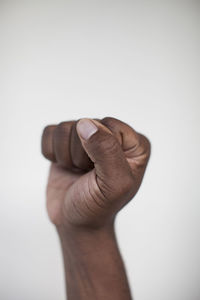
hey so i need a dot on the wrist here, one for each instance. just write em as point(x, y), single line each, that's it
point(93, 263)
point(75, 231)
point(86, 239)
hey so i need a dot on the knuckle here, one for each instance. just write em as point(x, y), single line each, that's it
point(62, 125)
point(47, 130)
point(108, 121)
point(61, 128)
point(145, 143)
point(64, 130)
point(111, 123)
point(62, 136)
point(46, 143)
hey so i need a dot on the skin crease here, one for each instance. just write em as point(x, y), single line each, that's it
point(90, 180)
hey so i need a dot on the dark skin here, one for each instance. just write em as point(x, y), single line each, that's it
point(97, 168)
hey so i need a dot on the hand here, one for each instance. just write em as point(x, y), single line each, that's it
point(97, 168)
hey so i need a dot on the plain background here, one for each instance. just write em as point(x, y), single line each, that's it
point(136, 61)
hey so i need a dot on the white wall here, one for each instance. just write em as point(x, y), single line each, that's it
point(134, 60)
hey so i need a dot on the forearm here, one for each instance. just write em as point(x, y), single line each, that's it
point(93, 266)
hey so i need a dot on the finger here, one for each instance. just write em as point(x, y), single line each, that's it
point(135, 145)
point(112, 169)
point(61, 144)
point(127, 136)
point(47, 143)
point(79, 157)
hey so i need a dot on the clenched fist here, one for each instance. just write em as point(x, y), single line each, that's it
point(97, 168)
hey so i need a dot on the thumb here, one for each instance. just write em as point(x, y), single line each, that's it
point(113, 173)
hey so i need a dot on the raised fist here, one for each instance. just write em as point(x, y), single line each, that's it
point(97, 168)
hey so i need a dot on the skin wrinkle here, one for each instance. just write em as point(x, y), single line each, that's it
point(76, 210)
point(94, 198)
point(88, 206)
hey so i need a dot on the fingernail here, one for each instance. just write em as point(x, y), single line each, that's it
point(86, 128)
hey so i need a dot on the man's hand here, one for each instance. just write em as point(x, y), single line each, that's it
point(97, 168)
